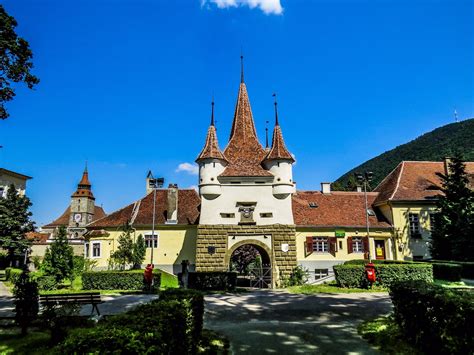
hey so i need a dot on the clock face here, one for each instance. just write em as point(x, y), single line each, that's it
point(77, 217)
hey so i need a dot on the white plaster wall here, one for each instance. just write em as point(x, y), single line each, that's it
point(6, 181)
point(262, 194)
point(209, 170)
point(282, 170)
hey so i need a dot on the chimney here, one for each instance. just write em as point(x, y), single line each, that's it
point(172, 214)
point(326, 187)
point(359, 188)
point(447, 161)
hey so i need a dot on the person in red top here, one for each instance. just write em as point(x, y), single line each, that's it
point(148, 277)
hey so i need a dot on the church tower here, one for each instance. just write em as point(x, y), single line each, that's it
point(246, 195)
point(82, 205)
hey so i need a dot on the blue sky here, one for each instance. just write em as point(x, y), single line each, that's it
point(127, 85)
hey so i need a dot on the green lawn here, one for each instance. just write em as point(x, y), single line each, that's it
point(330, 288)
point(36, 342)
point(453, 284)
point(385, 334)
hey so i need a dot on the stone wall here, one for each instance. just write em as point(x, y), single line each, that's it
point(217, 236)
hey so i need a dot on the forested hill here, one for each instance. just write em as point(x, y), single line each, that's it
point(432, 146)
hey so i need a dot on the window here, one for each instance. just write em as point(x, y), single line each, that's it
point(149, 239)
point(320, 244)
point(96, 250)
point(228, 215)
point(320, 273)
point(414, 224)
point(266, 215)
point(86, 250)
point(433, 218)
point(357, 245)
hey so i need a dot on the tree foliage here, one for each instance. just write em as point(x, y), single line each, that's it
point(139, 251)
point(15, 223)
point(15, 61)
point(124, 253)
point(26, 300)
point(58, 259)
point(243, 256)
point(452, 237)
point(432, 146)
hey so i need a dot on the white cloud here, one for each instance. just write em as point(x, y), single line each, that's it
point(191, 169)
point(269, 7)
point(294, 157)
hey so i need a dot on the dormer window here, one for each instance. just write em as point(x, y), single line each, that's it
point(313, 205)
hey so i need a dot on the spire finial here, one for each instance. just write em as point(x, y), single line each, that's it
point(212, 111)
point(276, 109)
point(85, 168)
point(266, 134)
point(241, 66)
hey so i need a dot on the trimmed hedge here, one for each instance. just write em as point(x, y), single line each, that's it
point(445, 271)
point(354, 275)
point(215, 281)
point(116, 280)
point(12, 274)
point(170, 325)
point(467, 271)
point(365, 261)
point(433, 318)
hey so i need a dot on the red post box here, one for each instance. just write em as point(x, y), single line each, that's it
point(370, 272)
point(148, 276)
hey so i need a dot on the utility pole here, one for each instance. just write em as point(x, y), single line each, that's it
point(154, 184)
point(365, 179)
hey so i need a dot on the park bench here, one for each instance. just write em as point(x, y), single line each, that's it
point(92, 298)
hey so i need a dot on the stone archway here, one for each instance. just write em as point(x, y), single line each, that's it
point(259, 275)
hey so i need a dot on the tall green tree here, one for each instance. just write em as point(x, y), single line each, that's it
point(15, 61)
point(124, 253)
point(58, 259)
point(15, 222)
point(139, 251)
point(452, 237)
point(26, 300)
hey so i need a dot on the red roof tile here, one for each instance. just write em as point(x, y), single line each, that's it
point(84, 187)
point(415, 181)
point(337, 209)
point(211, 148)
point(278, 150)
point(63, 220)
point(244, 152)
point(37, 238)
point(141, 212)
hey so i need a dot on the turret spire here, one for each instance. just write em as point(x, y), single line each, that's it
point(241, 67)
point(212, 112)
point(276, 110)
point(211, 148)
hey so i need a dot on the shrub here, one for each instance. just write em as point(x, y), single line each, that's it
point(467, 271)
point(47, 283)
point(12, 274)
point(354, 275)
point(445, 271)
point(298, 277)
point(78, 265)
point(436, 319)
point(365, 261)
point(225, 281)
point(170, 325)
point(116, 280)
point(26, 300)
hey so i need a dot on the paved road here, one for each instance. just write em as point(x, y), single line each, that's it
point(282, 323)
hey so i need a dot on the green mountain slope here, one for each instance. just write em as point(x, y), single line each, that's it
point(432, 146)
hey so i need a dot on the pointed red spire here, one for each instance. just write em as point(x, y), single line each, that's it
point(211, 148)
point(84, 188)
point(278, 150)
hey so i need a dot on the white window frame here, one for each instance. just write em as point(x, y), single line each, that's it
point(323, 242)
point(414, 225)
point(357, 245)
point(156, 240)
point(87, 249)
point(92, 250)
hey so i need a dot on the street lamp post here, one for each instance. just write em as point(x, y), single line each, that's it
point(365, 179)
point(154, 184)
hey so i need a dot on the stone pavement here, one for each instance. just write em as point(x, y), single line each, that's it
point(278, 322)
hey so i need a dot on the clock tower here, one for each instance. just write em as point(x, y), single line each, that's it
point(82, 206)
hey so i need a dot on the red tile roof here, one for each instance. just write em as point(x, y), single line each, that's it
point(141, 212)
point(211, 148)
point(37, 238)
point(84, 187)
point(244, 152)
point(63, 220)
point(278, 150)
point(415, 181)
point(337, 209)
